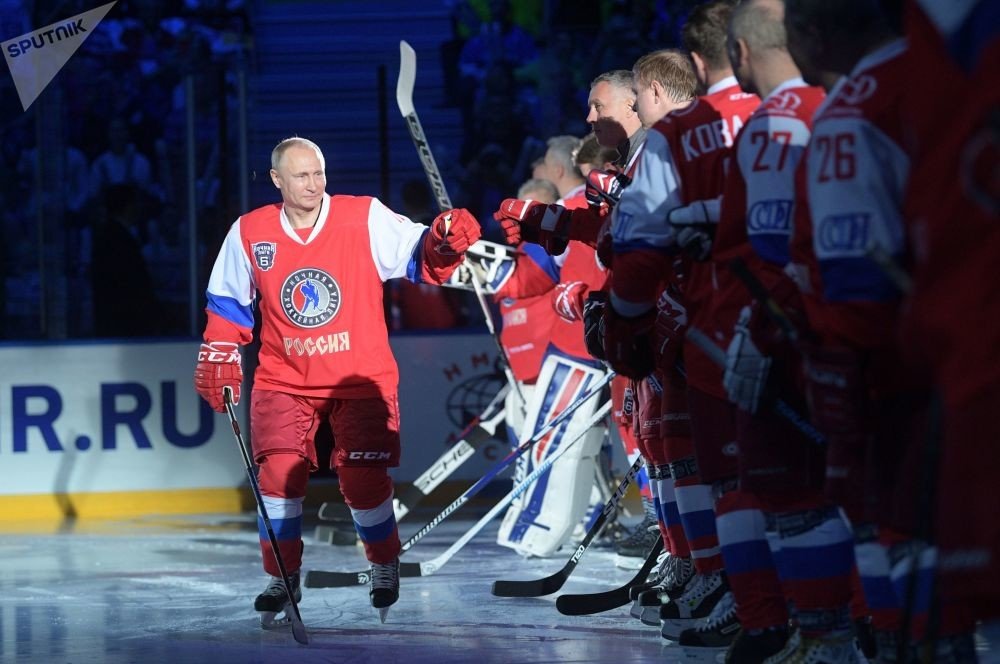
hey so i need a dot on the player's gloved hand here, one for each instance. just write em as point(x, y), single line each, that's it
point(453, 232)
point(605, 188)
point(218, 367)
point(746, 367)
point(837, 396)
point(669, 328)
point(567, 300)
point(531, 221)
point(593, 317)
point(694, 227)
point(628, 342)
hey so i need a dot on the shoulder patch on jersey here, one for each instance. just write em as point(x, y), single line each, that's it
point(787, 102)
point(858, 89)
point(310, 297)
point(263, 254)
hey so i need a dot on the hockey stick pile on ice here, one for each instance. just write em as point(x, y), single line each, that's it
point(428, 567)
point(404, 99)
point(295, 618)
point(553, 582)
point(320, 579)
point(476, 435)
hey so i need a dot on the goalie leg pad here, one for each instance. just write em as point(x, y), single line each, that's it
point(542, 519)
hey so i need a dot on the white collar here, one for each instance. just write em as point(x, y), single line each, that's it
point(727, 82)
point(324, 210)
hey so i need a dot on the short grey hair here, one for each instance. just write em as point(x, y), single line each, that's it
point(279, 150)
point(539, 185)
point(760, 23)
point(564, 148)
point(623, 79)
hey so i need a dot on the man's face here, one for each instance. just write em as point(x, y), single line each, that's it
point(611, 114)
point(300, 177)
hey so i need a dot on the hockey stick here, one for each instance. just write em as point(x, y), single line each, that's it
point(476, 435)
point(781, 407)
point(761, 294)
point(590, 603)
point(298, 629)
point(553, 582)
point(320, 579)
point(428, 567)
point(404, 99)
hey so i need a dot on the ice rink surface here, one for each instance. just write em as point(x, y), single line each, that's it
point(180, 589)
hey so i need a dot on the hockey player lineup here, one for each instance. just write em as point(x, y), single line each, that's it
point(732, 399)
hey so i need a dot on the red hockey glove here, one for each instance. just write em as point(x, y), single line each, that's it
point(628, 342)
point(567, 300)
point(837, 396)
point(218, 367)
point(452, 233)
point(604, 187)
point(529, 221)
point(670, 326)
point(593, 321)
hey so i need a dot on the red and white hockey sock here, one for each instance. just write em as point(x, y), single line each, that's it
point(282, 479)
point(696, 507)
point(667, 516)
point(753, 578)
point(368, 492)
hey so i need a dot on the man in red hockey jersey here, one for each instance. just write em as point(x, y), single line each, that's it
point(315, 264)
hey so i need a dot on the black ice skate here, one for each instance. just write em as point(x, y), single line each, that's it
point(274, 600)
point(385, 586)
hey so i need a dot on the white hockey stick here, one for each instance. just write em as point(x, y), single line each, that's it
point(404, 99)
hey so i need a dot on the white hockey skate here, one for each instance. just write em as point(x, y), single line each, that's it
point(384, 587)
point(273, 604)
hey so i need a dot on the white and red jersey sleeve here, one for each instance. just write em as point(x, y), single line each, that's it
point(319, 292)
point(857, 173)
point(526, 311)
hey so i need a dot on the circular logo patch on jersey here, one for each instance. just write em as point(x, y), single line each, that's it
point(310, 297)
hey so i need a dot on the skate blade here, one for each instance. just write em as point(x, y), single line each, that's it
point(702, 655)
point(274, 620)
point(671, 629)
point(382, 613)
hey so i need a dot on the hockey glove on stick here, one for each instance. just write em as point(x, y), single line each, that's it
point(218, 367)
point(747, 368)
point(694, 227)
point(567, 300)
point(671, 323)
point(451, 234)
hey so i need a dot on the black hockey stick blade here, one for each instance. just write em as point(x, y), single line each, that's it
point(320, 579)
point(553, 582)
point(588, 604)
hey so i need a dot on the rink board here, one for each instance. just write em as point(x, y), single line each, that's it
point(115, 429)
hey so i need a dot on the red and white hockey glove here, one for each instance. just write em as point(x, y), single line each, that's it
point(567, 300)
point(452, 233)
point(747, 368)
point(530, 221)
point(669, 329)
point(218, 367)
point(628, 342)
point(604, 187)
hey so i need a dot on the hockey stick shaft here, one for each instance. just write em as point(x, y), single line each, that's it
point(552, 583)
point(321, 579)
point(298, 629)
point(473, 437)
point(430, 566)
point(781, 407)
point(404, 99)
